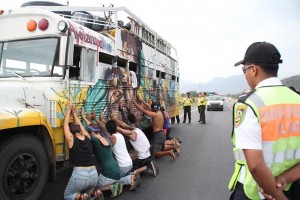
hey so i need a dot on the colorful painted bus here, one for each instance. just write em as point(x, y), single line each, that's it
point(50, 54)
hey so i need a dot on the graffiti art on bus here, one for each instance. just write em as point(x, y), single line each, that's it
point(130, 46)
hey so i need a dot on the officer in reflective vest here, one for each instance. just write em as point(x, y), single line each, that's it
point(202, 100)
point(266, 132)
point(187, 102)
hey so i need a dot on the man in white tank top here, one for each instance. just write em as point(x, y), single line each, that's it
point(121, 154)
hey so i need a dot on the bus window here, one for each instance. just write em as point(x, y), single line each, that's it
point(163, 75)
point(173, 78)
point(87, 69)
point(157, 74)
point(74, 71)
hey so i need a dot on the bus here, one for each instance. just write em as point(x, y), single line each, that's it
point(52, 54)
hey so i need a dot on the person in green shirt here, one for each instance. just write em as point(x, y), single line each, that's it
point(110, 172)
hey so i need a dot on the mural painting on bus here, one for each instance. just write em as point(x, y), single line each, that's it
point(157, 89)
point(76, 94)
point(130, 46)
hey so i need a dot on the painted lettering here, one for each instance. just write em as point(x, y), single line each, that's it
point(81, 36)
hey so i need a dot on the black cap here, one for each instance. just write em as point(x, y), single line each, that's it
point(261, 53)
point(155, 106)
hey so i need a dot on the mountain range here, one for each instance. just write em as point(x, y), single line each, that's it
point(230, 85)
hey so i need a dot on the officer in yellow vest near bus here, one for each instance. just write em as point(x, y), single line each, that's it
point(266, 132)
point(187, 102)
point(202, 100)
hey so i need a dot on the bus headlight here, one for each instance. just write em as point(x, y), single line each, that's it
point(62, 26)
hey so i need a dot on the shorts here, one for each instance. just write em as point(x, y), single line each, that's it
point(138, 163)
point(159, 139)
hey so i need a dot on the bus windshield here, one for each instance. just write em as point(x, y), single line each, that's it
point(29, 58)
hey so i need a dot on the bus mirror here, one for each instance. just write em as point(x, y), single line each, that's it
point(66, 51)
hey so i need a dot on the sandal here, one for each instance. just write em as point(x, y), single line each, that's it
point(97, 194)
point(83, 196)
point(178, 139)
point(116, 189)
point(138, 179)
point(133, 182)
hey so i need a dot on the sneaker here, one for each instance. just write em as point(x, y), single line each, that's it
point(153, 168)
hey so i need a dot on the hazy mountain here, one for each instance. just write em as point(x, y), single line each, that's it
point(292, 81)
point(230, 85)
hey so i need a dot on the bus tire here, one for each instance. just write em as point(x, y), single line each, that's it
point(24, 168)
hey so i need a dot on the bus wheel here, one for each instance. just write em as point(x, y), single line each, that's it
point(24, 168)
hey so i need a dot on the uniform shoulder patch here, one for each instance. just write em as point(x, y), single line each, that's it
point(240, 113)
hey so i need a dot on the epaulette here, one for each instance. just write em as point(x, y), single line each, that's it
point(244, 96)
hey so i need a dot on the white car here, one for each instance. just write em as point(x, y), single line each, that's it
point(214, 103)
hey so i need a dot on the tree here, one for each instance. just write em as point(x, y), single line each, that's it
point(194, 93)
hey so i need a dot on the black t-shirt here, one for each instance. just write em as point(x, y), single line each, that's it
point(81, 154)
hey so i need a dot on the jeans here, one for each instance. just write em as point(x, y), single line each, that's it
point(125, 175)
point(104, 181)
point(83, 180)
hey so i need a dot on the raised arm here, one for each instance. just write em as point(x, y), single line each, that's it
point(120, 122)
point(100, 123)
point(84, 118)
point(77, 121)
point(145, 104)
point(124, 117)
point(143, 110)
point(102, 118)
point(67, 132)
point(130, 133)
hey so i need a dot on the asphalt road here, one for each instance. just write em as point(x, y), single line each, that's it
point(200, 172)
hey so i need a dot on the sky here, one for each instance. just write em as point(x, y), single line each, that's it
point(210, 36)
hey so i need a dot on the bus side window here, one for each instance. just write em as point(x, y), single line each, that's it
point(74, 71)
point(88, 64)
